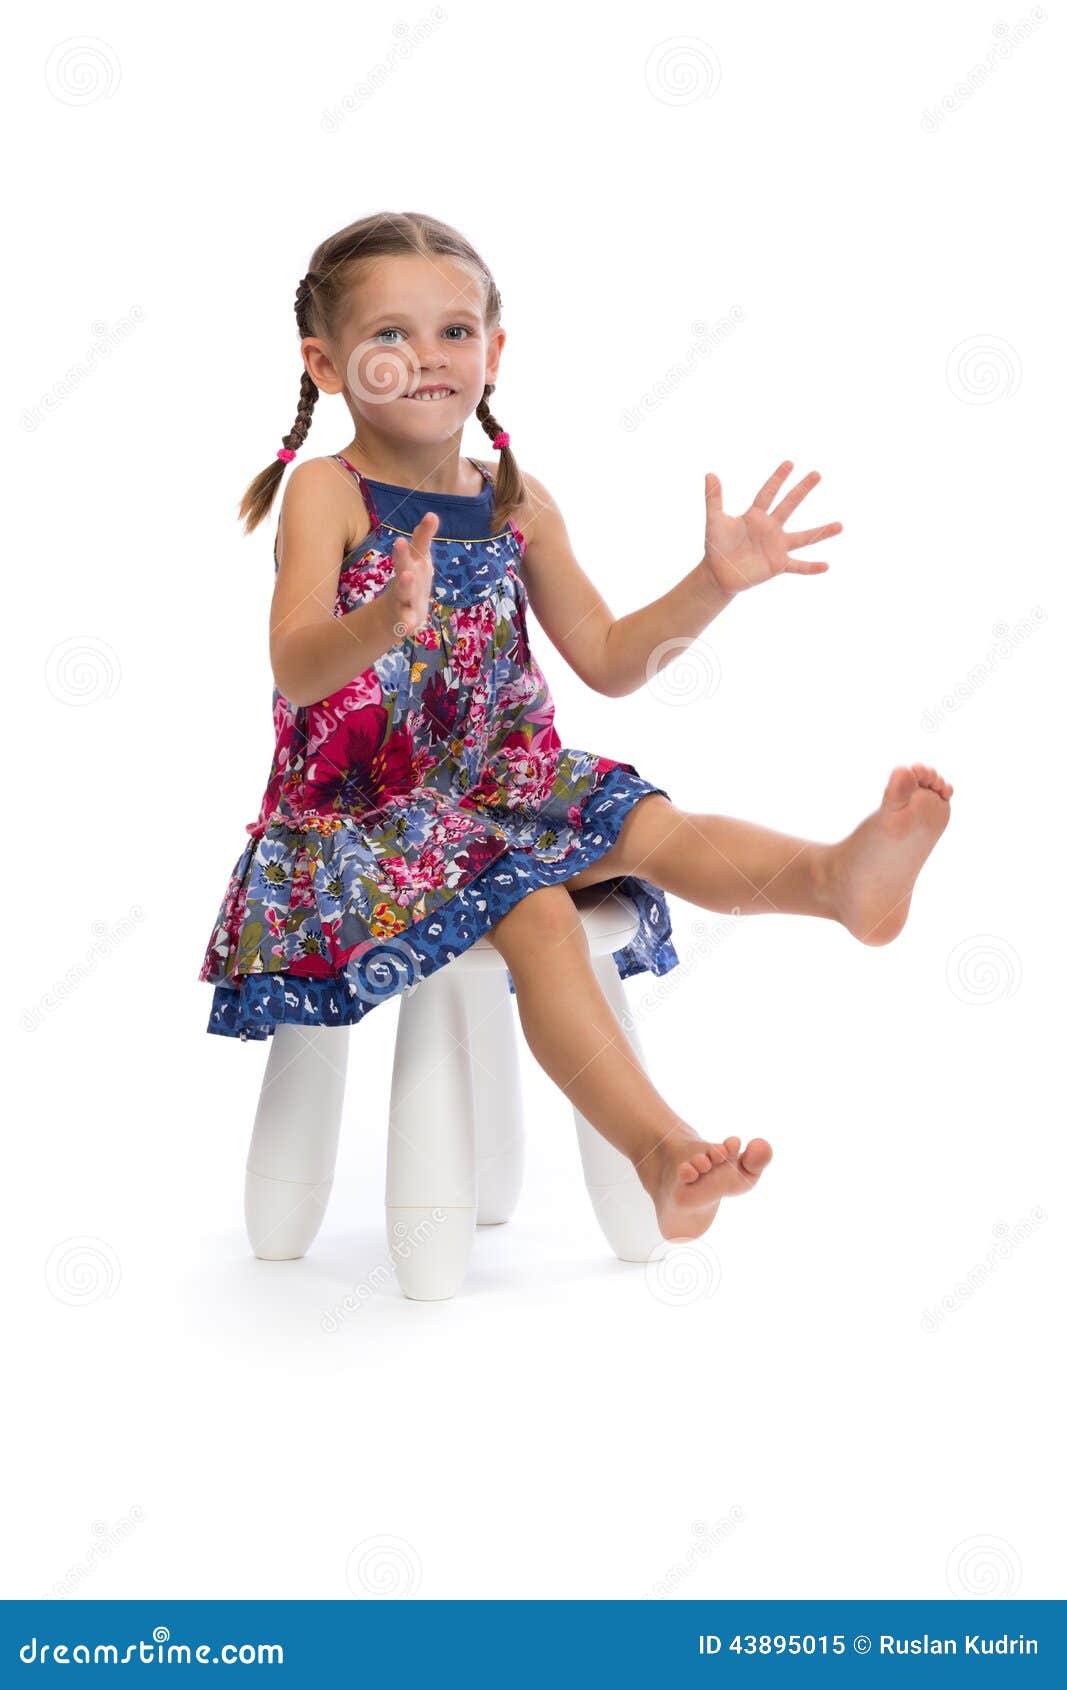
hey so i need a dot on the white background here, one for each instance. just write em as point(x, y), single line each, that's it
point(180, 1423)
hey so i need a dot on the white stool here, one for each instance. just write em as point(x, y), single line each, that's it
point(455, 1150)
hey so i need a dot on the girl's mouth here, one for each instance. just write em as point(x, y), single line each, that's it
point(431, 395)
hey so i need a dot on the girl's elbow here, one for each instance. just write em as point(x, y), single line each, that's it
point(613, 688)
point(290, 688)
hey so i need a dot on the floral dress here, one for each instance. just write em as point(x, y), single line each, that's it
point(408, 811)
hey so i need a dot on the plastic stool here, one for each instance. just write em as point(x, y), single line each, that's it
point(456, 1142)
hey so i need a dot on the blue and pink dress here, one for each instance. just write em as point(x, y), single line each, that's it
point(408, 811)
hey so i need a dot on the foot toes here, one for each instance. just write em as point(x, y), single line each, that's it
point(702, 1162)
point(687, 1172)
point(757, 1154)
point(900, 786)
point(929, 777)
point(732, 1145)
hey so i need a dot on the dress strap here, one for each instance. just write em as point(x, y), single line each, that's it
point(368, 496)
point(519, 535)
point(487, 473)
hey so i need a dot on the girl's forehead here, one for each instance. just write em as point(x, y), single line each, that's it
point(413, 284)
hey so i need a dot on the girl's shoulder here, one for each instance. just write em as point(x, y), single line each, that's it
point(321, 494)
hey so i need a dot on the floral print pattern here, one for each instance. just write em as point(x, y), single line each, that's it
point(409, 810)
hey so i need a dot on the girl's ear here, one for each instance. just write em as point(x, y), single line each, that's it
point(319, 365)
point(492, 360)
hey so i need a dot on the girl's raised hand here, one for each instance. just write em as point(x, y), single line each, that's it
point(412, 581)
point(742, 551)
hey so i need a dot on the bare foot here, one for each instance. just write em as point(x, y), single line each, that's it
point(687, 1178)
point(873, 871)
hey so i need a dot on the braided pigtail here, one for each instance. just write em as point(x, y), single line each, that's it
point(259, 494)
point(510, 488)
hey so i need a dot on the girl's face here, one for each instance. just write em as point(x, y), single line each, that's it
point(415, 323)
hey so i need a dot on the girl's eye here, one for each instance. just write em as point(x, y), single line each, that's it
point(461, 326)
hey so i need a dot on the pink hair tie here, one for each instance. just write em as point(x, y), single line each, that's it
point(286, 455)
point(501, 439)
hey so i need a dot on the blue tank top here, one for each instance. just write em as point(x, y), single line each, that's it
point(463, 516)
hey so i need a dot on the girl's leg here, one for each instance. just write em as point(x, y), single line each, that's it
point(578, 1040)
point(864, 882)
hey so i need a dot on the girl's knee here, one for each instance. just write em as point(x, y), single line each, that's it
point(546, 917)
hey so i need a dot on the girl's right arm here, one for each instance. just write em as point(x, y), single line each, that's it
point(312, 651)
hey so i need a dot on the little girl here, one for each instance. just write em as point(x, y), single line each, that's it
point(419, 796)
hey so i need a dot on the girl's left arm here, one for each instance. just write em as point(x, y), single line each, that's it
point(613, 654)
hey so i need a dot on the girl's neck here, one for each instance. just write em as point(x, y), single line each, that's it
point(436, 471)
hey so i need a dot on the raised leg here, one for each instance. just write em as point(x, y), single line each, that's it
point(431, 1179)
point(291, 1159)
point(864, 881)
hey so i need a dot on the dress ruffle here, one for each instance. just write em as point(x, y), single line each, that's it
point(283, 864)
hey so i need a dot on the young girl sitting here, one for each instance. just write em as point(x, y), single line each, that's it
point(419, 794)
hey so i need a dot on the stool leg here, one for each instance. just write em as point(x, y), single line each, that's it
point(291, 1159)
point(494, 1059)
point(624, 1210)
point(430, 1182)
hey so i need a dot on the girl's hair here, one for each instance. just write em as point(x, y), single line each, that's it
point(323, 297)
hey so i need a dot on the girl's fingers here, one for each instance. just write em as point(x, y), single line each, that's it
point(412, 563)
point(788, 505)
point(811, 534)
point(806, 566)
point(772, 484)
point(423, 535)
